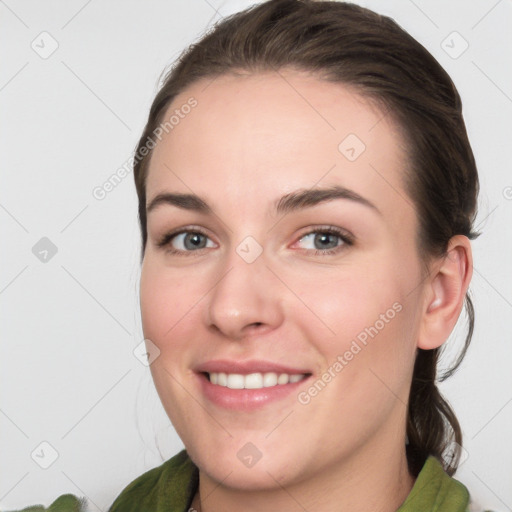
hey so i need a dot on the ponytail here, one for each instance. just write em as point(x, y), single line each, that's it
point(432, 427)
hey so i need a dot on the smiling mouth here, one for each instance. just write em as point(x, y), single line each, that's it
point(253, 380)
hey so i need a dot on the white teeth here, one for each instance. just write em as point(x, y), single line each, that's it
point(269, 379)
point(283, 379)
point(222, 379)
point(235, 381)
point(253, 380)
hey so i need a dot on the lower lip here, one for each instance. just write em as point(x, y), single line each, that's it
point(246, 399)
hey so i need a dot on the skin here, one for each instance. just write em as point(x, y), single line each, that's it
point(250, 140)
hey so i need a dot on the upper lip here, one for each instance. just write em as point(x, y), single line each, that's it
point(247, 367)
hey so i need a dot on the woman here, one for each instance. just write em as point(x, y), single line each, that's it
point(307, 193)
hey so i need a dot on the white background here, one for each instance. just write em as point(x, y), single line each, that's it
point(70, 325)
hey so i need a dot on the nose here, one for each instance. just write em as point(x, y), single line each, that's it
point(245, 301)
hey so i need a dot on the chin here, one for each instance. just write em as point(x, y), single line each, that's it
point(262, 476)
point(240, 464)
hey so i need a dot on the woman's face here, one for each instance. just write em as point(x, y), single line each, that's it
point(257, 276)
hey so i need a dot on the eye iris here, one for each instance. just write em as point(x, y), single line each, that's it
point(194, 239)
point(324, 238)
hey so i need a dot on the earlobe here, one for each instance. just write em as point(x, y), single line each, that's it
point(445, 292)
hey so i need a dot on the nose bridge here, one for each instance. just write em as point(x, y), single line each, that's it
point(244, 296)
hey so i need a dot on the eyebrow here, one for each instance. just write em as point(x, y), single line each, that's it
point(293, 201)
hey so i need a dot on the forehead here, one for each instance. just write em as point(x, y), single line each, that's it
point(252, 138)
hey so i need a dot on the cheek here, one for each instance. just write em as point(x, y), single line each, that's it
point(168, 304)
point(361, 316)
point(340, 306)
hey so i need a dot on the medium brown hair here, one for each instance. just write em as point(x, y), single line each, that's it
point(356, 47)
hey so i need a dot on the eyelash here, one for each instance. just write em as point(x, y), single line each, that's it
point(348, 240)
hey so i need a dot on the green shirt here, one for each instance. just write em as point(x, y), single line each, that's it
point(171, 487)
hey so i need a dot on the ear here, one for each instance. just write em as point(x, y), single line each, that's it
point(445, 291)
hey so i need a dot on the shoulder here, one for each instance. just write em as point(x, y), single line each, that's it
point(169, 487)
point(64, 503)
point(434, 490)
